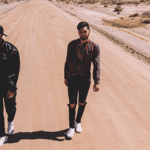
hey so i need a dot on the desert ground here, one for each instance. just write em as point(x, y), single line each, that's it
point(4, 8)
point(128, 32)
point(116, 118)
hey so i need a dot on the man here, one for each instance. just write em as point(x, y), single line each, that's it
point(9, 70)
point(80, 54)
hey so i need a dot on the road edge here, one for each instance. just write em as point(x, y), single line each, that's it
point(14, 7)
point(136, 53)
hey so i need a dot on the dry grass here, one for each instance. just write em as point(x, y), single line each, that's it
point(133, 21)
point(8, 1)
point(134, 15)
point(107, 2)
point(125, 22)
point(146, 14)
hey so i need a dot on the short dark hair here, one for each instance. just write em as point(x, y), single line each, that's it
point(83, 24)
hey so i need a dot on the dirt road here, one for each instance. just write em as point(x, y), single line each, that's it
point(116, 118)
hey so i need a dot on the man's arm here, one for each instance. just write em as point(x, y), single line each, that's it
point(66, 69)
point(96, 70)
point(14, 71)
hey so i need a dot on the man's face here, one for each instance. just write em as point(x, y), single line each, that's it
point(84, 33)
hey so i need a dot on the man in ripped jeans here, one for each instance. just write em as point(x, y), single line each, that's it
point(80, 54)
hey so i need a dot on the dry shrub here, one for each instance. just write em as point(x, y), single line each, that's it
point(121, 3)
point(118, 8)
point(81, 2)
point(124, 23)
point(136, 2)
point(146, 14)
point(145, 20)
point(105, 5)
point(145, 17)
point(105, 2)
point(134, 15)
point(6, 1)
point(87, 1)
point(114, 2)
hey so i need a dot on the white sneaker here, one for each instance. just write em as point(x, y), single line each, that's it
point(3, 140)
point(70, 133)
point(10, 128)
point(78, 127)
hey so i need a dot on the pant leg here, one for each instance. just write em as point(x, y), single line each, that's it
point(72, 93)
point(2, 127)
point(10, 105)
point(84, 85)
point(73, 89)
point(83, 91)
point(71, 116)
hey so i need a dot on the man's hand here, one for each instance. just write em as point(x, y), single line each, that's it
point(10, 94)
point(66, 82)
point(96, 87)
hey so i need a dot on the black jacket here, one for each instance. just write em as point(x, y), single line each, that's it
point(9, 66)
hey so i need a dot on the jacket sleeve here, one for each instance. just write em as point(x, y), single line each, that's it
point(66, 69)
point(14, 70)
point(96, 64)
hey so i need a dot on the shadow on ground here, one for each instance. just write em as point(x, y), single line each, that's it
point(56, 136)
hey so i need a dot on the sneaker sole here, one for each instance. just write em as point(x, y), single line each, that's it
point(6, 139)
point(69, 137)
point(78, 131)
point(12, 132)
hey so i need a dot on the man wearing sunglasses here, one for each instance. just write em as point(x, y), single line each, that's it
point(80, 54)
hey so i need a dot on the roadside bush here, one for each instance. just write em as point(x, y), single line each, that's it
point(145, 17)
point(87, 1)
point(120, 3)
point(118, 8)
point(114, 2)
point(80, 2)
point(145, 20)
point(6, 2)
point(145, 14)
point(128, 2)
point(134, 15)
point(136, 2)
point(105, 5)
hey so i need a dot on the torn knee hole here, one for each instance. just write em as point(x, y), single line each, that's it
point(72, 105)
point(81, 104)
